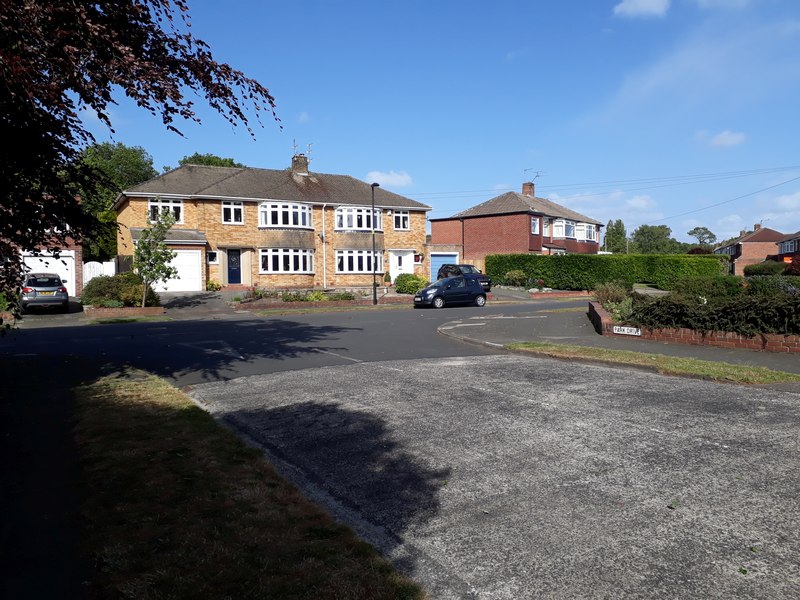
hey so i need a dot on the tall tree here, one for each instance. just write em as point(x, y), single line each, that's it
point(211, 160)
point(122, 167)
point(616, 239)
point(655, 239)
point(60, 58)
point(151, 257)
point(703, 235)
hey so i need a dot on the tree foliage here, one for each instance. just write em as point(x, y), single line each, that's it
point(616, 239)
point(151, 257)
point(122, 167)
point(60, 58)
point(211, 160)
point(703, 235)
point(655, 239)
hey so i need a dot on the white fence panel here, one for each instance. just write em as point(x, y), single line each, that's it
point(94, 268)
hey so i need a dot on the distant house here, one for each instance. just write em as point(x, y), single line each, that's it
point(750, 248)
point(788, 247)
point(68, 266)
point(287, 228)
point(512, 223)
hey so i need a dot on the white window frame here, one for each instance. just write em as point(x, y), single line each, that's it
point(286, 215)
point(232, 208)
point(357, 218)
point(545, 227)
point(534, 225)
point(357, 262)
point(569, 225)
point(558, 228)
point(165, 205)
point(212, 257)
point(402, 220)
point(590, 232)
point(282, 261)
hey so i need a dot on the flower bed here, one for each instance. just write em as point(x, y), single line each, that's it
point(765, 342)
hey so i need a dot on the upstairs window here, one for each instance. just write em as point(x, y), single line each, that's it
point(354, 218)
point(285, 214)
point(233, 213)
point(160, 205)
point(402, 219)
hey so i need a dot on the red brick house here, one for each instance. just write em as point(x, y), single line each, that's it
point(512, 223)
point(788, 247)
point(750, 248)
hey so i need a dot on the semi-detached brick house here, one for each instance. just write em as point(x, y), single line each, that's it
point(750, 248)
point(788, 247)
point(512, 223)
point(288, 228)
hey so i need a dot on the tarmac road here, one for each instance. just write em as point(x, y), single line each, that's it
point(507, 477)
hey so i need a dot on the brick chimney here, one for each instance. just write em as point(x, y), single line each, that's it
point(757, 226)
point(300, 164)
point(528, 189)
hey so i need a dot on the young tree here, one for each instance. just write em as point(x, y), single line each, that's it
point(703, 235)
point(60, 58)
point(151, 257)
point(211, 160)
point(122, 167)
point(653, 239)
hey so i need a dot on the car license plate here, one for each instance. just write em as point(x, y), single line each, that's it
point(46, 293)
point(417, 299)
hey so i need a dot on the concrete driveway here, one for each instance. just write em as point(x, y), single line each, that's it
point(507, 477)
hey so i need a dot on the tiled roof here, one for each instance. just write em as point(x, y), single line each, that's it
point(791, 236)
point(514, 202)
point(268, 184)
point(764, 234)
point(175, 236)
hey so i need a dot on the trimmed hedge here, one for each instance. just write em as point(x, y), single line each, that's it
point(587, 271)
point(769, 267)
point(122, 289)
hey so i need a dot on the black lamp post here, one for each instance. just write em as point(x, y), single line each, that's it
point(374, 259)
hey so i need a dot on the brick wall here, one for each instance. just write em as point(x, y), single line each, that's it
point(766, 342)
point(753, 253)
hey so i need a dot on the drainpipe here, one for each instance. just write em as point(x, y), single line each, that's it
point(463, 246)
point(324, 252)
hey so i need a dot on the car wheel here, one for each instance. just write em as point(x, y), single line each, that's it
point(65, 307)
point(438, 302)
point(480, 301)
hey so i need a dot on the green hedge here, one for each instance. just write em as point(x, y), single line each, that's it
point(587, 271)
point(407, 283)
point(122, 289)
point(769, 267)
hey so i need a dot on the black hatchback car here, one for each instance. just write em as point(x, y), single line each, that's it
point(449, 270)
point(463, 289)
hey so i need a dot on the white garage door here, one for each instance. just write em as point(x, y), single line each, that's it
point(190, 275)
point(64, 266)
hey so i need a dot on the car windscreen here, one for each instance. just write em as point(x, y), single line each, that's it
point(468, 269)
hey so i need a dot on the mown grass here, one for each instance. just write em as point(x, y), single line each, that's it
point(668, 365)
point(178, 507)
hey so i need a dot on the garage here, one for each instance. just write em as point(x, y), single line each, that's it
point(190, 274)
point(441, 258)
point(64, 266)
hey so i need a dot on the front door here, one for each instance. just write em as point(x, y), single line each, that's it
point(234, 267)
point(400, 261)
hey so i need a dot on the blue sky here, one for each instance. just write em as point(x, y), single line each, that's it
point(675, 112)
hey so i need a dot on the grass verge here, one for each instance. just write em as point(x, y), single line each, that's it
point(668, 365)
point(178, 507)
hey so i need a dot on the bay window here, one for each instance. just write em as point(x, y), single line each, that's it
point(354, 218)
point(358, 261)
point(284, 214)
point(286, 260)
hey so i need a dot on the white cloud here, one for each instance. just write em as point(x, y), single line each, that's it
point(789, 202)
point(640, 203)
point(303, 117)
point(728, 138)
point(642, 8)
point(390, 179)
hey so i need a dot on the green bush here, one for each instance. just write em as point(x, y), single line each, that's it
point(769, 267)
point(407, 283)
point(122, 289)
point(342, 296)
point(771, 285)
point(213, 286)
point(611, 292)
point(515, 277)
point(620, 311)
point(586, 271)
point(713, 288)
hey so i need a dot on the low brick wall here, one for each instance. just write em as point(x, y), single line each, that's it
point(560, 294)
point(91, 312)
point(765, 342)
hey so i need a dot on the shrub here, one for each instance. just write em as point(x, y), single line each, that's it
point(213, 286)
point(342, 296)
point(407, 283)
point(620, 311)
point(316, 296)
point(769, 267)
point(772, 285)
point(4, 303)
point(122, 289)
point(794, 267)
point(612, 292)
point(712, 288)
point(515, 277)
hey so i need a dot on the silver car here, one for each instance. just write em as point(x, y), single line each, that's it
point(44, 289)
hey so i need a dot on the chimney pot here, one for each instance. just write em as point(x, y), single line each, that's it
point(300, 164)
point(528, 189)
point(757, 226)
